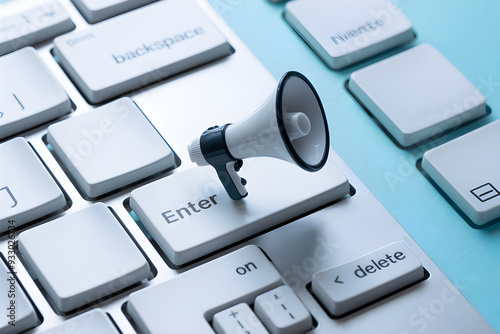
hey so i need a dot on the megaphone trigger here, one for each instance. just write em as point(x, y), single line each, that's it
point(231, 181)
point(237, 165)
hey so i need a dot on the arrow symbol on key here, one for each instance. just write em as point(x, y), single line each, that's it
point(337, 280)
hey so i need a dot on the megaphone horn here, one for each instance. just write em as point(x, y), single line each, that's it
point(291, 125)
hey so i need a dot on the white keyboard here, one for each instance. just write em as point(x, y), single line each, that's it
point(107, 227)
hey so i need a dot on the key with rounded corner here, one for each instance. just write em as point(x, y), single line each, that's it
point(345, 32)
point(202, 292)
point(27, 190)
point(466, 169)
point(238, 319)
point(29, 94)
point(171, 208)
point(353, 284)
point(149, 44)
point(282, 311)
point(42, 20)
point(82, 273)
point(110, 147)
point(417, 94)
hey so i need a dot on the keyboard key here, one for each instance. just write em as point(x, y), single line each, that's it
point(353, 284)
point(29, 94)
point(345, 32)
point(95, 321)
point(110, 147)
point(417, 94)
point(82, 257)
point(467, 170)
point(187, 302)
point(238, 319)
point(282, 311)
point(97, 10)
point(194, 200)
point(149, 44)
point(43, 20)
point(18, 312)
point(27, 190)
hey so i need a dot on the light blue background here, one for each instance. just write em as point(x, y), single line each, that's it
point(468, 34)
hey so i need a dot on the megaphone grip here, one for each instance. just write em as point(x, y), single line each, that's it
point(213, 147)
point(231, 181)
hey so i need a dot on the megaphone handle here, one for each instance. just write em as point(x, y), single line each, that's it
point(231, 181)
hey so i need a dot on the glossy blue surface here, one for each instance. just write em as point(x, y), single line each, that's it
point(468, 34)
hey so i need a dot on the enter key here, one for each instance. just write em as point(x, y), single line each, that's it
point(353, 284)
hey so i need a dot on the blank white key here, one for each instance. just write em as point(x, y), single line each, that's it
point(417, 94)
point(95, 321)
point(467, 170)
point(345, 32)
point(110, 147)
point(42, 21)
point(238, 319)
point(82, 257)
point(29, 94)
point(149, 44)
point(18, 312)
point(186, 303)
point(98, 10)
point(353, 284)
point(27, 190)
point(194, 200)
point(282, 311)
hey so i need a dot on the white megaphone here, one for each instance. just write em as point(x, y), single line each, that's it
point(291, 125)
